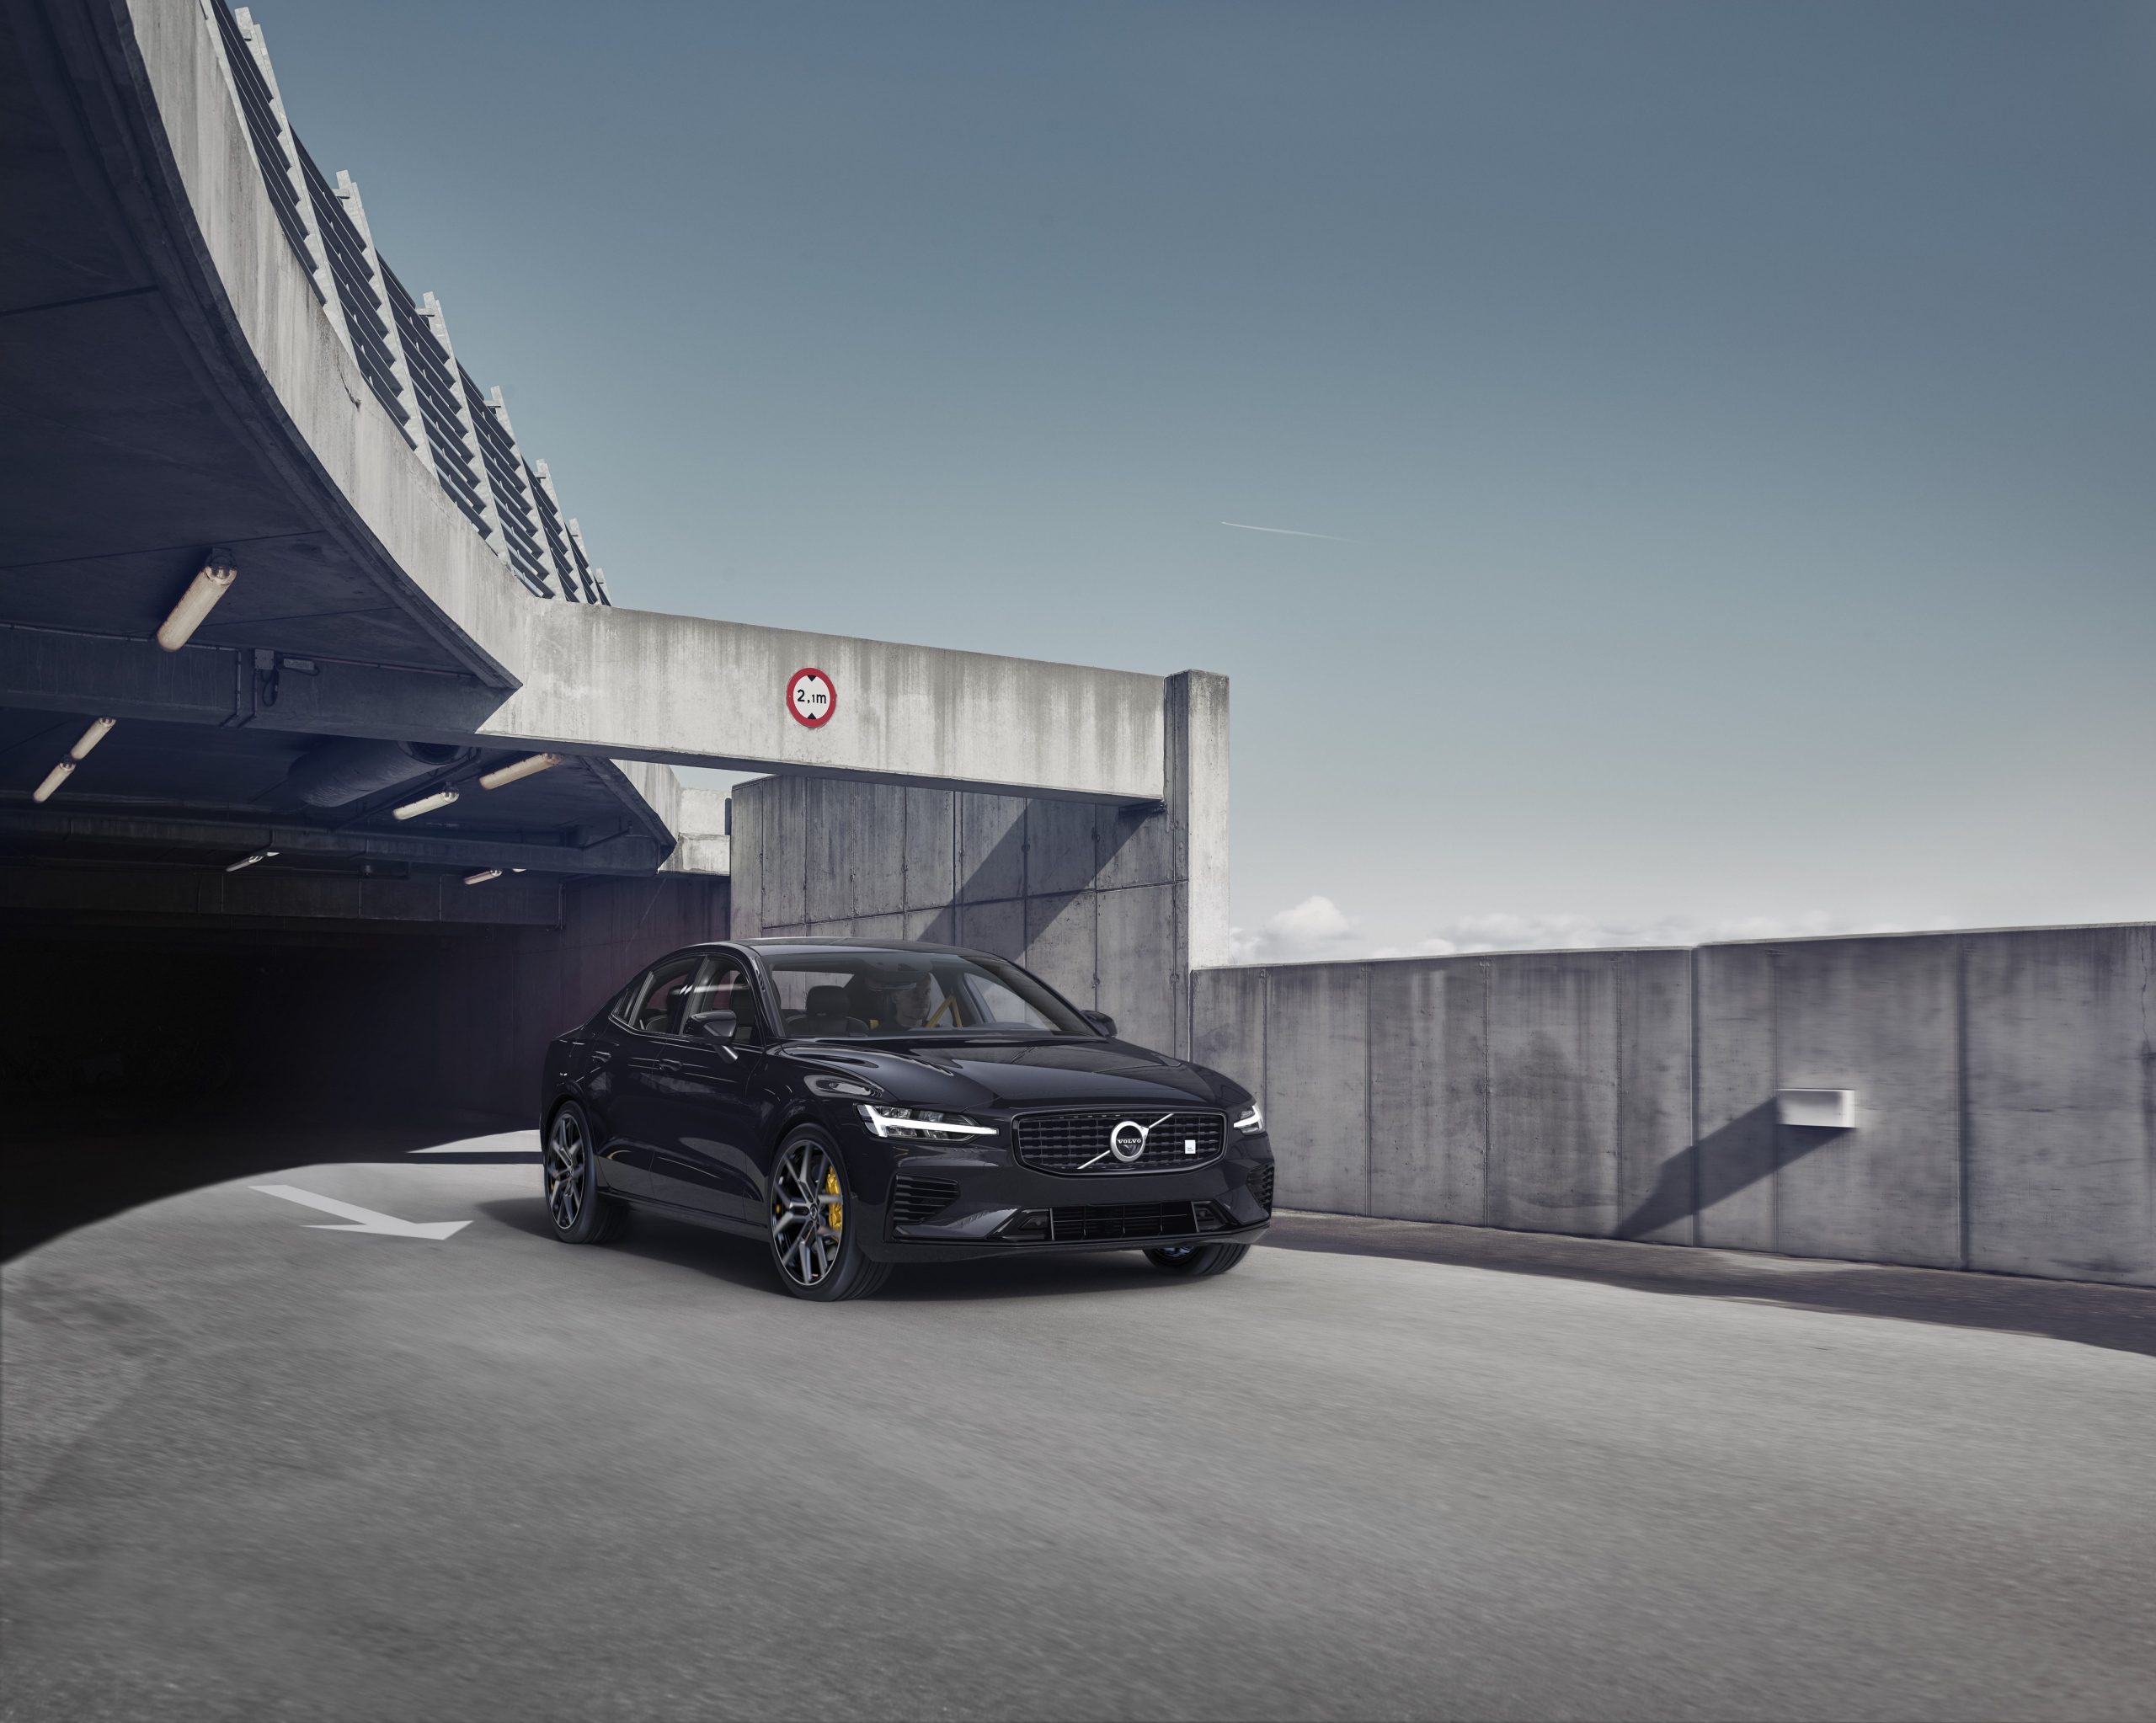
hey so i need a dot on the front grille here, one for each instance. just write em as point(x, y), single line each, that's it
point(915, 1199)
point(1261, 1186)
point(1122, 1220)
point(1079, 1142)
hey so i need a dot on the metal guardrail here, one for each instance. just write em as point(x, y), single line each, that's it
point(401, 344)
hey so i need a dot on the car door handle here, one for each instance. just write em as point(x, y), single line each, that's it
point(651, 1064)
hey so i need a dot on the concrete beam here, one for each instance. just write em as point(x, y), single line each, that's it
point(692, 691)
point(110, 675)
point(635, 684)
point(629, 852)
point(192, 892)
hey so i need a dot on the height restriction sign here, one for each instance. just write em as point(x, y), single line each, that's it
point(811, 698)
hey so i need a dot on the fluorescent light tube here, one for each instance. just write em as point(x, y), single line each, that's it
point(209, 584)
point(523, 768)
point(91, 737)
point(483, 875)
point(425, 804)
point(248, 860)
point(53, 780)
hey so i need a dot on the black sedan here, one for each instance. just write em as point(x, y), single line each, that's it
point(862, 1104)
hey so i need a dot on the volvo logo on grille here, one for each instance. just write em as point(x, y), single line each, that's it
point(1127, 1141)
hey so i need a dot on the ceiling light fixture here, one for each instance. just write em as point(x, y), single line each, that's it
point(212, 582)
point(482, 877)
point(425, 804)
point(248, 860)
point(521, 768)
point(98, 729)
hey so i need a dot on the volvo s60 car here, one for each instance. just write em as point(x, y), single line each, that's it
point(862, 1104)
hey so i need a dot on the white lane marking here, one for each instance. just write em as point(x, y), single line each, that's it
point(362, 1219)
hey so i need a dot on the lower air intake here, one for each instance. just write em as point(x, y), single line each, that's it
point(915, 1199)
point(1261, 1187)
point(1122, 1220)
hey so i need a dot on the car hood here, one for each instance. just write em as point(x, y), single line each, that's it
point(1014, 1072)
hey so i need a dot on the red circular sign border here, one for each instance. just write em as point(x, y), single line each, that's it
point(793, 712)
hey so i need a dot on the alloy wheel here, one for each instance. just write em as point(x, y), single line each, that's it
point(565, 1159)
point(807, 1213)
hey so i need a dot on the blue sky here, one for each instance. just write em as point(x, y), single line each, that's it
point(1735, 425)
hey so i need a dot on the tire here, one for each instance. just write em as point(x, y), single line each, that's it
point(568, 1175)
point(816, 1254)
point(1195, 1261)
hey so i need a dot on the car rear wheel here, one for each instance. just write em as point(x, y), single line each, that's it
point(579, 1213)
point(1190, 1261)
point(818, 1254)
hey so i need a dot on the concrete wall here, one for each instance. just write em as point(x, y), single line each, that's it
point(1113, 906)
point(2005, 1083)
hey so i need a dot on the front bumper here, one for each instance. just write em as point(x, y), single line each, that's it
point(998, 1206)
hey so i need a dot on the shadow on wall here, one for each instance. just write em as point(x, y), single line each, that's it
point(1006, 861)
point(2006, 1123)
point(1751, 1147)
point(1093, 899)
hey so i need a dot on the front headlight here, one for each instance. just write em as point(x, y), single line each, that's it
point(1251, 1120)
point(918, 1124)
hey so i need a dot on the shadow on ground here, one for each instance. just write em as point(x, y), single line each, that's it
point(73, 1164)
point(747, 1262)
point(2122, 1318)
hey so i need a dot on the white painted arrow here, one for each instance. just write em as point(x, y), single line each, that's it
point(362, 1219)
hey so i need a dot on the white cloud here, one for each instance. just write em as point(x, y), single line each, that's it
point(1317, 930)
point(1313, 931)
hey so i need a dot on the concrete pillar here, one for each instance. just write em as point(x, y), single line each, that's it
point(1196, 779)
point(460, 406)
point(392, 336)
point(301, 207)
point(594, 576)
point(516, 498)
point(560, 547)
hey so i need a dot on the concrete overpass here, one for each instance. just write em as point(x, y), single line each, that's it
point(209, 364)
point(208, 359)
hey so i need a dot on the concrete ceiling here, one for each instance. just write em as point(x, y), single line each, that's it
point(123, 460)
point(121, 463)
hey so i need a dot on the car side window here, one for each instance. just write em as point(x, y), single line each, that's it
point(654, 1005)
point(722, 985)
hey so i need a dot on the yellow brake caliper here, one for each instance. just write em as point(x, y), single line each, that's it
point(834, 1212)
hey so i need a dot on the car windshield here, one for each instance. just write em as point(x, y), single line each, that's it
point(853, 993)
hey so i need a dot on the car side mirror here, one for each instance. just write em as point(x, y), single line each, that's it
point(717, 1026)
point(1101, 1020)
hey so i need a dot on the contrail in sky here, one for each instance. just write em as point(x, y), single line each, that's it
point(1289, 532)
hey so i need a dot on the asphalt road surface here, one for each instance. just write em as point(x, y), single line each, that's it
point(257, 1468)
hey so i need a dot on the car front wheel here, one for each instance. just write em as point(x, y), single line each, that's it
point(566, 1163)
point(815, 1238)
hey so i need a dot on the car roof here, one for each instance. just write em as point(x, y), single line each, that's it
point(815, 944)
